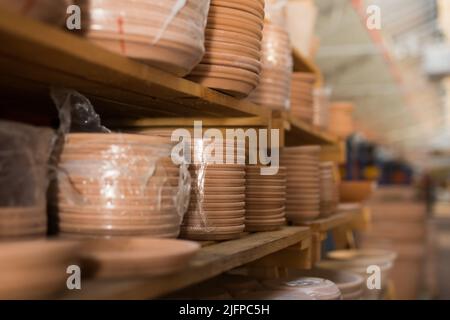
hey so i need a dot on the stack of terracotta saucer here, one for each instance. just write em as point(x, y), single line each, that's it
point(159, 33)
point(35, 269)
point(303, 182)
point(329, 194)
point(118, 185)
point(274, 87)
point(233, 43)
point(217, 205)
point(23, 222)
point(50, 11)
point(302, 98)
point(265, 200)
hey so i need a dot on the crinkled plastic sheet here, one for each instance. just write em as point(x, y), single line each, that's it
point(110, 176)
point(50, 11)
point(208, 154)
point(177, 25)
point(24, 155)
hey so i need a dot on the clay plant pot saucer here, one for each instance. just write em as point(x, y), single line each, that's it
point(200, 197)
point(208, 70)
point(235, 24)
point(138, 256)
point(206, 174)
point(235, 88)
point(230, 48)
point(221, 11)
point(218, 206)
point(217, 213)
point(224, 59)
point(119, 211)
point(221, 190)
point(232, 37)
point(263, 212)
point(211, 236)
point(216, 230)
point(156, 220)
point(252, 217)
point(250, 6)
point(213, 222)
point(220, 182)
point(266, 182)
point(35, 269)
point(257, 188)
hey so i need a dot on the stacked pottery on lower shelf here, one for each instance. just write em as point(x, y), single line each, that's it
point(231, 63)
point(358, 261)
point(302, 98)
point(265, 200)
point(217, 205)
point(118, 185)
point(303, 182)
point(329, 194)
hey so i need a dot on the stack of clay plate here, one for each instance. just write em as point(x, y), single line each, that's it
point(136, 257)
point(265, 200)
point(274, 88)
point(217, 205)
point(329, 196)
point(350, 284)
point(316, 288)
point(118, 185)
point(302, 98)
point(303, 182)
point(233, 35)
point(159, 33)
point(340, 119)
point(35, 269)
point(358, 261)
point(50, 11)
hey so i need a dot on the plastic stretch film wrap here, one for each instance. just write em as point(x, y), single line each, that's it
point(50, 11)
point(167, 34)
point(274, 87)
point(116, 184)
point(24, 156)
point(217, 206)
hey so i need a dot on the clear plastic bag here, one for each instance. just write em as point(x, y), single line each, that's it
point(115, 184)
point(167, 34)
point(24, 155)
point(50, 11)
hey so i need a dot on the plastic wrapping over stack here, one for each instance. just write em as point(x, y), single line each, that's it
point(217, 206)
point(233, 47)
point(302, 98)
point(49, 11)
point(303, 182)
point(329, 194)
point(358, 261)
point(166, 34)
point(24, 166)
point(119, 185)
point(265, 200)
point(274, 87)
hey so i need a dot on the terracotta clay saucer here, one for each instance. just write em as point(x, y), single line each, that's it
point(263, 212)
point(236, 88)
point(266, 194)
point(224, 71)
point(231, 48)
point(137, 256)
point(221, 11)
point(217, 213)
point(200, 197)
point(232, 37)
point(266, 182)
point(250, 6)
point(213, 230)
point(231, 60)
point(257, 188)
point(218, 206)
point(266, 222)
point(207, 182)
point(118, 211)
point(213, 222)
point(210, 174)
point(233, 24)
point(211, 236)
point(221, 190)
point(119, 220)
point(256, 216)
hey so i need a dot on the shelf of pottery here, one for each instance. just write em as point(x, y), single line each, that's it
point(114, 202)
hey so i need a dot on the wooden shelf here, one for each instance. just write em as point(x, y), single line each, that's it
point(211, 260)
point(35, 56)
point(299, 132)
point(303, 64)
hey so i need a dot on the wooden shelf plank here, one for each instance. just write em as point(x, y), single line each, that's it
point(36, 56)
point(303, 64)
point(346, 214)
point(301, 133)
point(211, 261)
